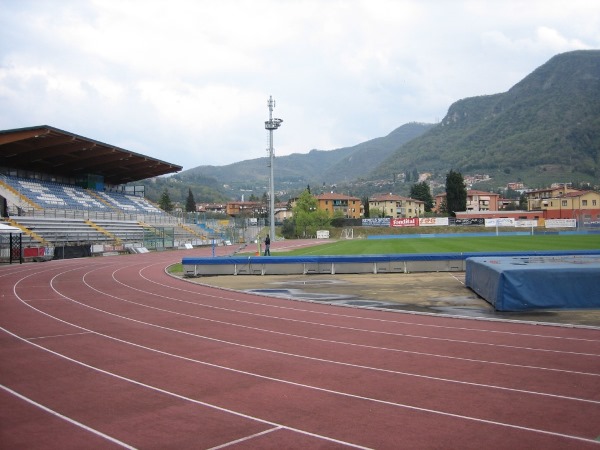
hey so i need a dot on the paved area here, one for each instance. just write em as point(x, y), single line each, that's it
point(436, 293)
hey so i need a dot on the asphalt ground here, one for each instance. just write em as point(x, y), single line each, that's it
point(430, 293)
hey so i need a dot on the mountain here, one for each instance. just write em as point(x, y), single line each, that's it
point(317, 166)
point(545, 128)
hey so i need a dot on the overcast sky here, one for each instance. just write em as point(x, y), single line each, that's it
point(187, 81)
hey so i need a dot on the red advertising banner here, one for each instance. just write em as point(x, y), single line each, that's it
point(30, 252)
point(404, 222)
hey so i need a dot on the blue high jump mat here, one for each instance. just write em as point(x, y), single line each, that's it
point(536, 282)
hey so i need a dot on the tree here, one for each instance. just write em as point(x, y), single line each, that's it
point(165, 201)
point(456, 193)
point(523, 202)
point(376, 213)
point(443, 209)
point(190, 203)
point(415, 175)
point(422, 191)
point(307, 216)
point(365, 201)
point(305, 202)
point(288, 229)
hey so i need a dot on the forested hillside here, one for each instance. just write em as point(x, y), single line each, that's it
point(545, 127)
point(317, 165)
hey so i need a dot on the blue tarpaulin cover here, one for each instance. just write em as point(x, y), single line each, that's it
point(536, 282)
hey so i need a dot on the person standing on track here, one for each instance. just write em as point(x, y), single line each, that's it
point(267, 246)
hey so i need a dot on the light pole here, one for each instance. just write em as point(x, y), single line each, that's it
point(271, 125)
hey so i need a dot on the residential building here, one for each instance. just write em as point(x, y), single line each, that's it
point(558, 202)
point(282, 212)
point(350, 207)
point(567, 203)
point(537, 199)
point(396, 206)
point(517, 215)
point(515, 186)
point(508, 203)
point(219, 208)
point(476, 201)
point(470, 180)
point(246, 209)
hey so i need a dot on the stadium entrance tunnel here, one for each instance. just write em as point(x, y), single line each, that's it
point(72, 251)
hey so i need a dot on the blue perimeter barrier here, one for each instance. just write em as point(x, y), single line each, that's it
point(349, 264)
point(480, 234)
point(326, 259)
point(491, 275)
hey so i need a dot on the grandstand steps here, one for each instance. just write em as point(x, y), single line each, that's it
point(100, 199)
point(62, 231)
point(123, 230)
point(56, 231)
point(55, 214)
point(49, 195)
point(12, 195)
point(102, 230)
point(32, 235)
point(192, 231)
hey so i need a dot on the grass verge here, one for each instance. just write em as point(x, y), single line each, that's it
point(451, 245)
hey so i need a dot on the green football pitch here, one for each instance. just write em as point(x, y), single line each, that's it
point(492, 243)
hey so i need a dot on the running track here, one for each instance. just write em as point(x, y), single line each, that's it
point(112, 352)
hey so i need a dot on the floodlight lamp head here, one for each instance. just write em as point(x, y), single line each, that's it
point(273, 124)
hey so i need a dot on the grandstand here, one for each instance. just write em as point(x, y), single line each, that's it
point(68, 192)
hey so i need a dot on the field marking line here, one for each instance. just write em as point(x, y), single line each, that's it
point(67, 419)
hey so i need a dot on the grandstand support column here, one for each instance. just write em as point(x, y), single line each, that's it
point(271, 125)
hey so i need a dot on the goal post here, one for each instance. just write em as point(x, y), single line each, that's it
point(348, 233)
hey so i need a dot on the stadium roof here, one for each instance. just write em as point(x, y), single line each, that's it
point(50, 150)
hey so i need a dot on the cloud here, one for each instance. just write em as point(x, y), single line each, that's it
point(188, 81)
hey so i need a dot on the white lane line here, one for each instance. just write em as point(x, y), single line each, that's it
point(231, 299)
point(307, 357)
point(460, 341)
point(287, 381)
point(320, 324)
point(247, 438)
point(379, 401)
point(65, 418)
point(170, 393)
point(328, 391)
point(294, 355)
point(306, 337)
point(461, 281)
point(529, 392)
point(51, 336)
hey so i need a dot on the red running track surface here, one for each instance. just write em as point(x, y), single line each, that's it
point(112, 352)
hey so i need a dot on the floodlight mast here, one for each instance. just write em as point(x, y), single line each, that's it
point(271, 125)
